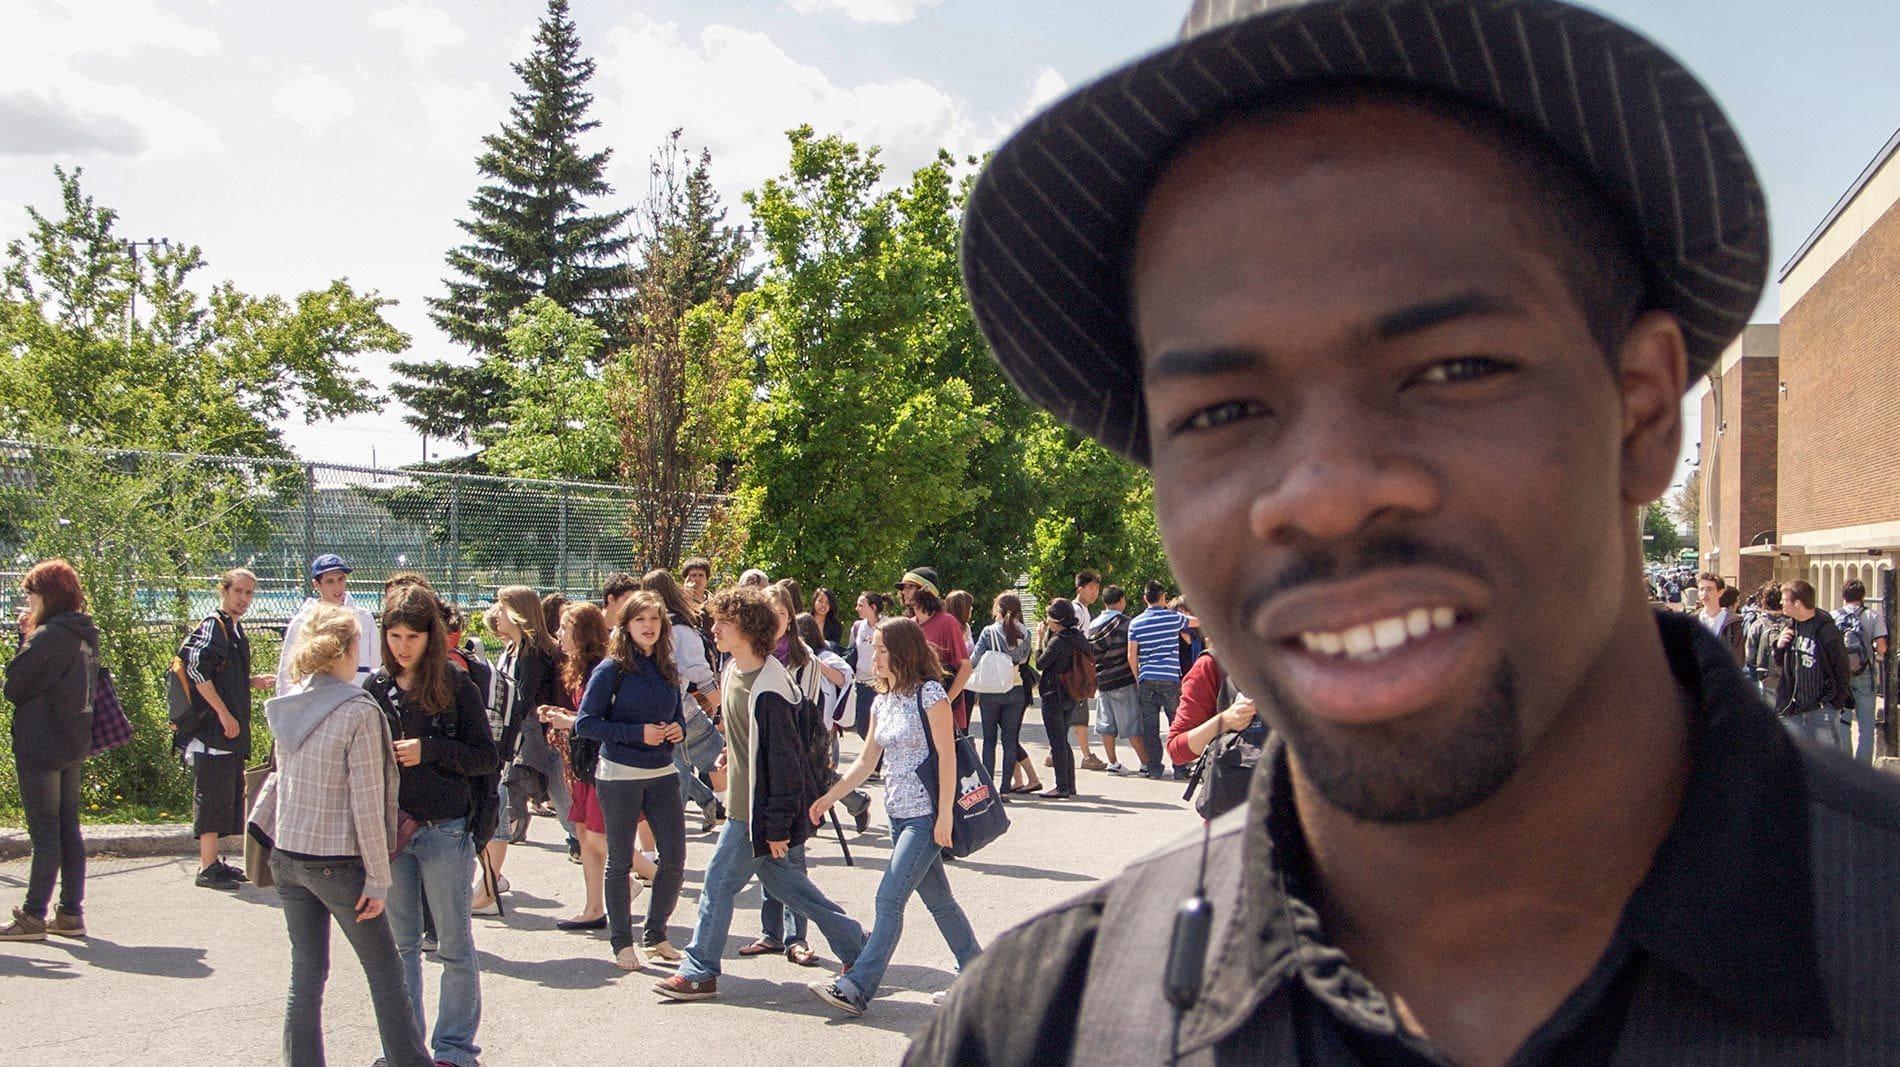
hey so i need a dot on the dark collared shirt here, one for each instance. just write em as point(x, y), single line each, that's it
point(1720, 937)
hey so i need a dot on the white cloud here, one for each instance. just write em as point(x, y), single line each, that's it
point(459, 114)
point(314, 101)
point(745, 92)
point(888, 12)
point(14, 222)
point(1050, 86)
point(424, 29)
point(43, 50)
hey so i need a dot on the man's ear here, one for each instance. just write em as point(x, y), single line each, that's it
point(1652, 368)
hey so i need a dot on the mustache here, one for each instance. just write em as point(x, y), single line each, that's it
point(1315, 566)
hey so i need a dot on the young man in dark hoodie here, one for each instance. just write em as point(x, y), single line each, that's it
point(1812, 657)
point(770, 785)
point(217, 659)
point(50, 683)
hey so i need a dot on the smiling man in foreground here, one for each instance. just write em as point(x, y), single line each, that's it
point(1399, 299)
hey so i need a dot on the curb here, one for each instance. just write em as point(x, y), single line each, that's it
point(123, 839)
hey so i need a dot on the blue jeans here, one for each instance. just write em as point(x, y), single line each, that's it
point(916, 867)
point(1003, 721)
point(691, 787)
point(731, 868)
point(772, 913)
point(440, 863)
point(1820, 726)
point(1863, 688)
point(1157, 703)
point(313, 893)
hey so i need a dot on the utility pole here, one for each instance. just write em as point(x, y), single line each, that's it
point(132, 301)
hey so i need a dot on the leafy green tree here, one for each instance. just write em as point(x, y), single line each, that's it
point(556, 422)
point(80, 375)
point(532, 233)
point(853, 445)
point(1663, 541)
point(1095, 511)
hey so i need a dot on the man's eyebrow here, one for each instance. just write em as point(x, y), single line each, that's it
point(1203, 362)
point(1395, 324)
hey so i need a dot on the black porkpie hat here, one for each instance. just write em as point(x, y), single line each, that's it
point(1047, 230)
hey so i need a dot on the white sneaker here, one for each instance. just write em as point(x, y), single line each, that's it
point(1116, 768)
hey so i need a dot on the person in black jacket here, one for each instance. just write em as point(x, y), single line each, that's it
point(1062, 642)
point(217, 662)
point(444, 754)
point(1814, 681)
point(531, 767)
point(50, 683)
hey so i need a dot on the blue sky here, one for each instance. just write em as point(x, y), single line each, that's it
point(297, 143)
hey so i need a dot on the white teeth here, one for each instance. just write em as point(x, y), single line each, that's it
point(1375, 639)
point(1359, 640)
point(1390, 633)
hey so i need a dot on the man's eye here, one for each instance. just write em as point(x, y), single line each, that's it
point(1219, 415)
point(1463, 369)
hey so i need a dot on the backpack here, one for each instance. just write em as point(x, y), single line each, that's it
point(814, 735)
point(1223, 772)
point(187, 713)
point(1858, 654)
point(1079, 680)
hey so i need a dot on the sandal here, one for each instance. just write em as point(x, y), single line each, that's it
point(800, 953)
point(762, 947)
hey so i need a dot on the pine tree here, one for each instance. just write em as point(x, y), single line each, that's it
point(532, 234)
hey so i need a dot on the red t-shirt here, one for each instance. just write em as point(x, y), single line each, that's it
point(1200, 693)
point(945, 634)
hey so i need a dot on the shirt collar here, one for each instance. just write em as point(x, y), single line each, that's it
point(1728, 901)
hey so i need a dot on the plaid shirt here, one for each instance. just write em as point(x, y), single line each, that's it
point(335, 795)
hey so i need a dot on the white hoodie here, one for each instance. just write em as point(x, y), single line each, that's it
point(369, 645)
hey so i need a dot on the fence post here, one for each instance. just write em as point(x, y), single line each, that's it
point(561, 542)
point(455, 540)
point(309, 513)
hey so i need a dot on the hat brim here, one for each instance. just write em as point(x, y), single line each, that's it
point(1047, 230)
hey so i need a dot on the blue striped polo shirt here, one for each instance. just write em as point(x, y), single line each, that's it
point(1157, 633)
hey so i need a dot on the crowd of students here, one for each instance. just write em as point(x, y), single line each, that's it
point(404, 763)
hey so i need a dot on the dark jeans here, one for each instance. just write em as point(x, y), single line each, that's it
point(1055, 721)
point(622, 803)
point(1003, 717)
point(314, 891)
point(51, 800)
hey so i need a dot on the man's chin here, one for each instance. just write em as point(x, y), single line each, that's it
point(1427, 766)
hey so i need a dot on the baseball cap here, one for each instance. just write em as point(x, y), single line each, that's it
point(326, 563)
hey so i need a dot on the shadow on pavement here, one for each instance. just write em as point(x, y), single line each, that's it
point(158, 961)
point(1010, 870)
point(576, 972)
point(12, 966)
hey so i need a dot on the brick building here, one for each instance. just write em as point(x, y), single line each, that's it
point(1837, 503)
point(1739, 418)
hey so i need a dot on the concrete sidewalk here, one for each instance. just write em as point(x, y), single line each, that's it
point(177, 974)
point(120, 839)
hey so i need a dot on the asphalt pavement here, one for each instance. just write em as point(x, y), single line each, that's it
point(177, 974)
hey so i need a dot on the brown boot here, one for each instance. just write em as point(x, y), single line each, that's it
point(24, 927)
point(66, 924)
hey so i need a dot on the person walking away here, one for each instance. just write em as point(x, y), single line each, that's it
point(771, 784)
point(329, 813)
point(583, 638)
point(1089, 714)
point(217, 663)
point(445, 755)
point(1864, 633)
point(1812, 658)
point(1107, 638)
point(330, 582)
point(632, 709)
point(1003, 712)
point(1061, 643)
point(532, 659)
point(1762, 639)
point(1155, 640)
point(50, 681)
point(909, 720)
point(835, 694)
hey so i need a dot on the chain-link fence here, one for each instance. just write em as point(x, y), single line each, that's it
point(179, 519)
